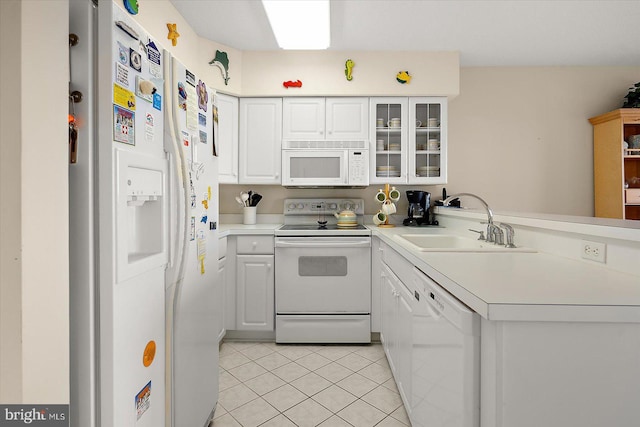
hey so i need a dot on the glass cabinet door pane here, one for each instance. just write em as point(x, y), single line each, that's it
point(388, 140)
point(427, 140)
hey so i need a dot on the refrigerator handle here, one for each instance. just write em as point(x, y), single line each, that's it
point(177, 254)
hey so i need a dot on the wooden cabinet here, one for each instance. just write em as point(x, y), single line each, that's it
point(614, 167)
point(260, 140)
point(227, 138)
point(325, 118)
point(410, 143)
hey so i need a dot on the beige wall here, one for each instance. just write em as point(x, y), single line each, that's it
point(10, 220)
point(518, 137)
point(34, 277)
point(374, 73)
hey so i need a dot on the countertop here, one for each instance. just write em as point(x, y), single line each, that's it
point(526, 286)
point(513, 286)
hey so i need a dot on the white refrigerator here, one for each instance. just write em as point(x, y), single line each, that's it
point(143, 236)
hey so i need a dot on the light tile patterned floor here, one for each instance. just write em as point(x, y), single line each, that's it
point(275, 385)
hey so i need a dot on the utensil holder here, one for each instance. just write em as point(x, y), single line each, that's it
point(249, 213)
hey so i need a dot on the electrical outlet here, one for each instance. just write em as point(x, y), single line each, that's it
point(594, 251)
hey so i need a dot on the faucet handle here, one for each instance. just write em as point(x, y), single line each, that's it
point(481, 236)
point(509, 233)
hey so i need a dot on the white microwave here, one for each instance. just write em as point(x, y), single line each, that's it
point(325, 163)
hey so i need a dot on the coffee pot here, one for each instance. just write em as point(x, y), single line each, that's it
point(418, 211)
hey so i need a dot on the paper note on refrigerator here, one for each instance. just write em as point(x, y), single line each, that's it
point(192, 107)
point(202, 251)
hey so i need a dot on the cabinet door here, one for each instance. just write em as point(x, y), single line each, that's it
point(389, 146)
point(404, 344)
point(388, 302)
point(347, 118)
point(303, 118)
point(221, 297)
point(260, 140)
point(376, 283)
point(227, 143)
point(427, 147)
point(255, 298)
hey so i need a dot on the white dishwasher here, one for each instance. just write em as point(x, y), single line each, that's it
point(445, 358)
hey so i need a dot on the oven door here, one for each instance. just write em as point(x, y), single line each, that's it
point(323, 275)
point(314, 168)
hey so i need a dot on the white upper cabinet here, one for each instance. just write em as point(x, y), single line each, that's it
point(303, 118)
point(410, 142)
point(325, 118)
point(227, 143)
point(260, 140)
point(347, 119)
point(427, 146)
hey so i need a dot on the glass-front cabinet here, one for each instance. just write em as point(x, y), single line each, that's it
point(410, 142)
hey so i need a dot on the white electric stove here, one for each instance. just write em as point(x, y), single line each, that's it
point(323, 274)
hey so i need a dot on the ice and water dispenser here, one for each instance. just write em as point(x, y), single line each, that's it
point(142, 215)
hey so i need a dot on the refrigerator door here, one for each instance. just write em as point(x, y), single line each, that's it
point(191, 278)
point(119, 199)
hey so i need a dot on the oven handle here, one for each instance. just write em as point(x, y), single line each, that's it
point(323, 244)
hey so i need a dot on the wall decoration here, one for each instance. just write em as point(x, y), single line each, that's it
point(203, 95)
point(403, 77)
point(131, 6)
point(173, 34)
point(290, 83)
point(221, 60)
point(348, 70)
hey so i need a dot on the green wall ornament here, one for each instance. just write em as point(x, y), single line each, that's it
point(221, 61)
point(348, 70)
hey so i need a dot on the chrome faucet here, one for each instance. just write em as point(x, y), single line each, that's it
point(494, 231)
point(490, 226)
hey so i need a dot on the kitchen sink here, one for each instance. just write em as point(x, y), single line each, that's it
point(452, 243)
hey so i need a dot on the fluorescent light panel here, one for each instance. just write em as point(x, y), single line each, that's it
point(299, 24)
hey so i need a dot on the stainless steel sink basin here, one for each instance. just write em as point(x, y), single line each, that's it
point(451, 243)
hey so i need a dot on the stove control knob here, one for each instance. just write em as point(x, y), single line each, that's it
point(333, 206)
point(347, 205)
point(299, 206)
point(291, 206)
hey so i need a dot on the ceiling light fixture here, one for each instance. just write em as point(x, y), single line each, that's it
point(300, 24)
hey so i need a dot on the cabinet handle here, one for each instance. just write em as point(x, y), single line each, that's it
point(269, 266)
point(254, 244)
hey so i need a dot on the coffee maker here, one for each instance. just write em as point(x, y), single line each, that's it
point(419, 207)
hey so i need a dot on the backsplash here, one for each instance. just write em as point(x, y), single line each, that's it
point(273, 197)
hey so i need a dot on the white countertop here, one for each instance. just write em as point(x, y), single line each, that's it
point(513, 286)
point(526, 286)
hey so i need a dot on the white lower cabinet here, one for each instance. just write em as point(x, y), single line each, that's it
point(220, 292)
point(396, 333)
point(255, 293)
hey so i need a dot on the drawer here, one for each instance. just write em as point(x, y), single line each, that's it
point(632, 196)
point(222, 248)
point(398, 264)
point(254, 245)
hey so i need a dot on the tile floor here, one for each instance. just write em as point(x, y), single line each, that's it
point(275, 385)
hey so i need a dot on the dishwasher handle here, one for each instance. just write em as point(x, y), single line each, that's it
point(351, 243)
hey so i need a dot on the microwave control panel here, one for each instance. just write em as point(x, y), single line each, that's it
point(359, 167)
